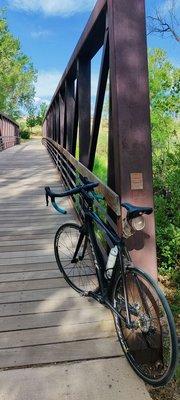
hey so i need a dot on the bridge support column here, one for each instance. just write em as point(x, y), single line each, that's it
point(130, 141)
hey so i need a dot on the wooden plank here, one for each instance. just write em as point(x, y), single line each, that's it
point(37, 307)
point(28, 236)
point(18, 212)
point(33, 284)
point(58, 334)
point(47, 305)
point(25, 242)
point(56, 318)
point(37, 295)
point(34, 228)
point(61, 352)
point(28, 267)
point(13, 248)
point(26, 276)
point(20, 221)
point(24, 260)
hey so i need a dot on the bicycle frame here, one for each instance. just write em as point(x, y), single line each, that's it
point(105, 286)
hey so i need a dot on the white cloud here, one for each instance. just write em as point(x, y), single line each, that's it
point(40, 33)
point(54, 7)
point(47, 83)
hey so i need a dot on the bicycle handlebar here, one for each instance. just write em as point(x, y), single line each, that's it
point(78, 189)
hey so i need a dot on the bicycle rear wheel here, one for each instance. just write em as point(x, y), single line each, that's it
point(80, 273)
point(151, 345)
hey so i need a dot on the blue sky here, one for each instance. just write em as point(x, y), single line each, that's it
point(49, 30)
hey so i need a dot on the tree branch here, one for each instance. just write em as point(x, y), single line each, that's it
point(159, 23)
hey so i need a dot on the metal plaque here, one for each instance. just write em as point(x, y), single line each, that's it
point(136, 181)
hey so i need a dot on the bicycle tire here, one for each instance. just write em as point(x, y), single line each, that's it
point(81, 276)
point(151, 358)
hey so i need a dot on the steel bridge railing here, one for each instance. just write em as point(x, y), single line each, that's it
point(9, 132)
point(117, 27)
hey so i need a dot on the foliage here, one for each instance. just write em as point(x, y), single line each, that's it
point(25, 135)
point(165, 103)
point(31, 121)
point(164, 86)
point(41, 114)
point(36, 117)
point(17, 74)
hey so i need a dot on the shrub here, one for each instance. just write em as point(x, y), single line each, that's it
point(25, 135)
point(166, 187)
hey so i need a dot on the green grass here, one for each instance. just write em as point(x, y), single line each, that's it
point(101, 158)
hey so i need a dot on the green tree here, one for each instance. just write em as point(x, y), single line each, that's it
point(31, 120)
point(17, 74)
point(164, 81)
point(41, 114)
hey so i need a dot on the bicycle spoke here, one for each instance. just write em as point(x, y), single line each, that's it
point(149, 341)
point(82, 272)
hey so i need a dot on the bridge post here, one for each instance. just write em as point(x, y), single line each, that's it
point(130, 140)
point(84, 106)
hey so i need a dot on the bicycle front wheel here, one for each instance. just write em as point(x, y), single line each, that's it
point(78, 271)
point(150, 345)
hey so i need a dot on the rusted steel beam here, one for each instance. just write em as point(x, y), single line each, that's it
point(75, 122)
point(130, 120)
point(70, 103)
point(84, 107)
point(99, 101)
point(62, 119)
point(58, 118)
point(91, 40)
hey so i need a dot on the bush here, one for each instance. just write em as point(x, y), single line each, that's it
point(25, 135)
point(166, 187)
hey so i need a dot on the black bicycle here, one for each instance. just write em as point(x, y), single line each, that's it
point(142, 316)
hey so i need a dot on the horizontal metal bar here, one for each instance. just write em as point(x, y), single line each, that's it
point(110, 196)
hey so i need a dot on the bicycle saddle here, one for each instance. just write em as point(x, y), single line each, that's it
point(134, 211)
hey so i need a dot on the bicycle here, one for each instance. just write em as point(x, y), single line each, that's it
point(142, 316)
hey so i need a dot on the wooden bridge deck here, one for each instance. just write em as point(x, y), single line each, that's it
point(42, 320)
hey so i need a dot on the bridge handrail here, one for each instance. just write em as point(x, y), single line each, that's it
point(111, 198)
